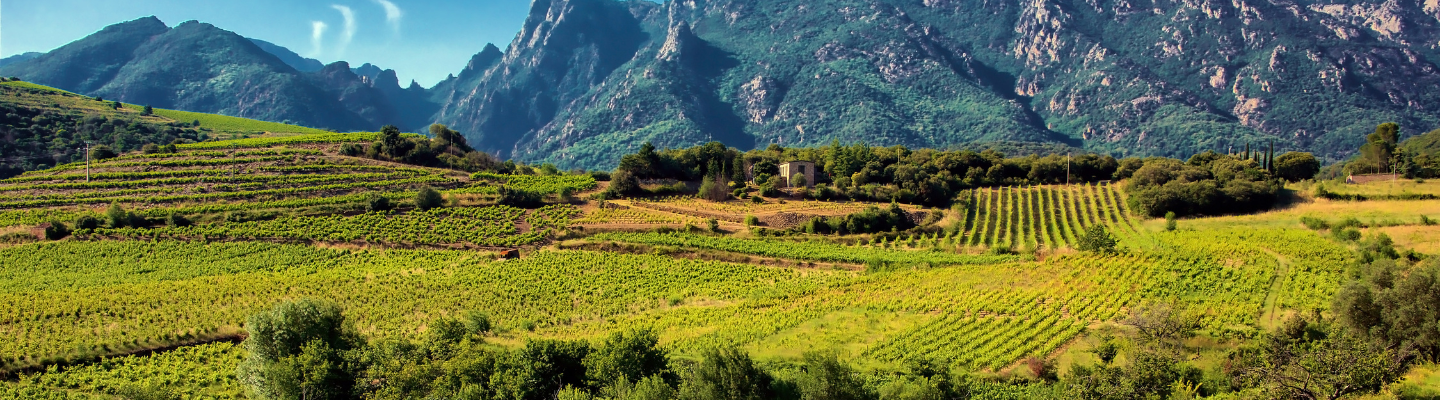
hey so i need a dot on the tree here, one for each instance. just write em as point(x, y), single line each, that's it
point(147, 111)
point(1296, 166)
point(102, 152)
point(799, 181)
point(116, 216)
point(1379, 149)
point(623, 183)
point(56, 231)
point(1170, 224)
point(1331, 365)
point(1097, 239)
point(428, 198)
point(150, 148)
point(392, 144)
point(627, 357)
point(711, 189)
point(727, 374)
point(378, 203)
point(448, 137)
point(826, 378)
point(297, 350)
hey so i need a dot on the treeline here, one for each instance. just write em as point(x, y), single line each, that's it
point(310, 350)
point(1208, 183)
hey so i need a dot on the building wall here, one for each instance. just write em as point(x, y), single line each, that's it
point(805, 168)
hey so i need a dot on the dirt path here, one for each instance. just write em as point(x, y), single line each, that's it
point(1269, 309)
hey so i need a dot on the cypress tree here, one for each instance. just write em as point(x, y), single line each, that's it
point(1247, 151)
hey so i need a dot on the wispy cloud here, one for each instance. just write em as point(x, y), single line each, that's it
point(349, 15)
point(317, 32)
point(393, 13)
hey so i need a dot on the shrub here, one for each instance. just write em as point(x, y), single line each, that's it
point(116, 216)
point(1296, 166)
point(378, 203)
point(756, 199)
point(1097, 239)
point(750, 220)
point(1315, 223)
point(714, 225)
point(150, 148)
point(1425, 220)
point(56, 231)
point(428, 198)
point(1346, 234)
point(713, 191)
point(1170, 223)
point(87, 222)
point(177, 220)
point(102, 152)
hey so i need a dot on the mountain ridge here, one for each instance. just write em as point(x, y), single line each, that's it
point(585, 80)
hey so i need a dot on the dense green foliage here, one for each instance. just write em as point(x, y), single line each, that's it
point(863, 172)
point(1208, 184)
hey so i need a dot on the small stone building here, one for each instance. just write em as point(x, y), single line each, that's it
point(804, 168)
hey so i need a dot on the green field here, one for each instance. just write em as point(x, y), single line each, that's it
point(155, 304)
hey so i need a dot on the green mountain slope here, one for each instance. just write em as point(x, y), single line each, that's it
point(1160, 78)
point(44, 126)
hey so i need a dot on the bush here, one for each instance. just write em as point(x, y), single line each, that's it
point(712, 190)
point(378, 203)
point(1170, 223)
point(102, 152)
point(177, 220)
point(428, 198)
point(1425, 220)
point(116, 216)
point(1296, 166)
point(1315, 223)
point(150, 148)
point(87, 222)
point(756, 199)
point(297, 350)
point(1346, 234)
point(714, 225)
point(56, 231)
point(750, 220)
point(1097, 239)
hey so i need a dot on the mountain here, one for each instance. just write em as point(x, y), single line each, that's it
point(295, 61)
point(587, 79)
point(199, 67)
point(18, 58)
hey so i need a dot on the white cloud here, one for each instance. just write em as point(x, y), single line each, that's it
point(349, 27)
point(393, 13)
point(317, 32)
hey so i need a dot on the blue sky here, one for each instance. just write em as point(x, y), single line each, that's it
point(424, 41)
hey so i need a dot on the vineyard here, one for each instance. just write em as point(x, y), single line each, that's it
point(1042, 217)
point(482, 226)
point(979, 286)
point(211, 176)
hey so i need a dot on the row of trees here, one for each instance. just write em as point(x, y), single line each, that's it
point(1209, 183)
point(309, 350)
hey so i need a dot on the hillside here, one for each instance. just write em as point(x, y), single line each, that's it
point(44, 126)
point(941, 74)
